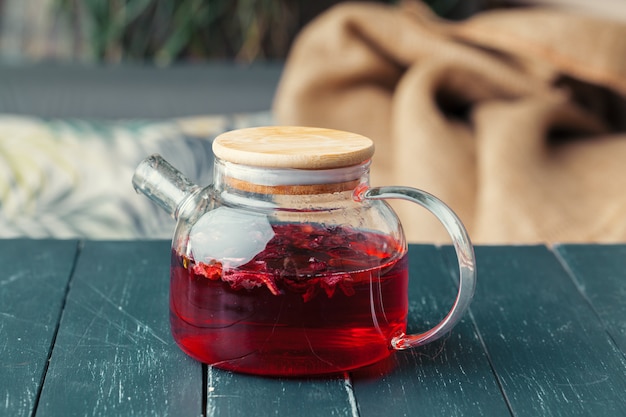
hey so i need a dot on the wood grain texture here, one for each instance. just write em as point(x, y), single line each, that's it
point(231, 395)
point(548, 348)
point(33, 280)
point(449, 377)
point(600, 274)
point(544, 337)
point(114, 355)
point(293, 147)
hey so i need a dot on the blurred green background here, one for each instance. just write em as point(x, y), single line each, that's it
point(167, 31)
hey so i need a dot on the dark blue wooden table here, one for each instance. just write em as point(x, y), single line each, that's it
point(84, 331)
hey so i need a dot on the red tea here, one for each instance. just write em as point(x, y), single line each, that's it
point(315, 301)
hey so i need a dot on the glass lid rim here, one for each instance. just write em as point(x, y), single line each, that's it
point(280, 176)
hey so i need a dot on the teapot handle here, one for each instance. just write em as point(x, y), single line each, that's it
point(464, 253)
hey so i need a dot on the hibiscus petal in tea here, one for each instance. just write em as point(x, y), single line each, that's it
point(316, 300)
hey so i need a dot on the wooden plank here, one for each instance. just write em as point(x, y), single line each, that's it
point(114, 354)
point(33, 283)
point(600, 274)
point(547, 346)
point(230, 394)
point(450, 377)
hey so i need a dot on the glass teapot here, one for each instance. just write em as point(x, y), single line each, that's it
point(290, 263)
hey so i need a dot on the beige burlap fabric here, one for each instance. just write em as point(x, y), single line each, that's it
point(514, 117)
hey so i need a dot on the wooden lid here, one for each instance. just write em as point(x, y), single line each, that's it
point(293, 147)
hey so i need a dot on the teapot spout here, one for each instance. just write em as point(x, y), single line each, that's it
point(164, 185)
